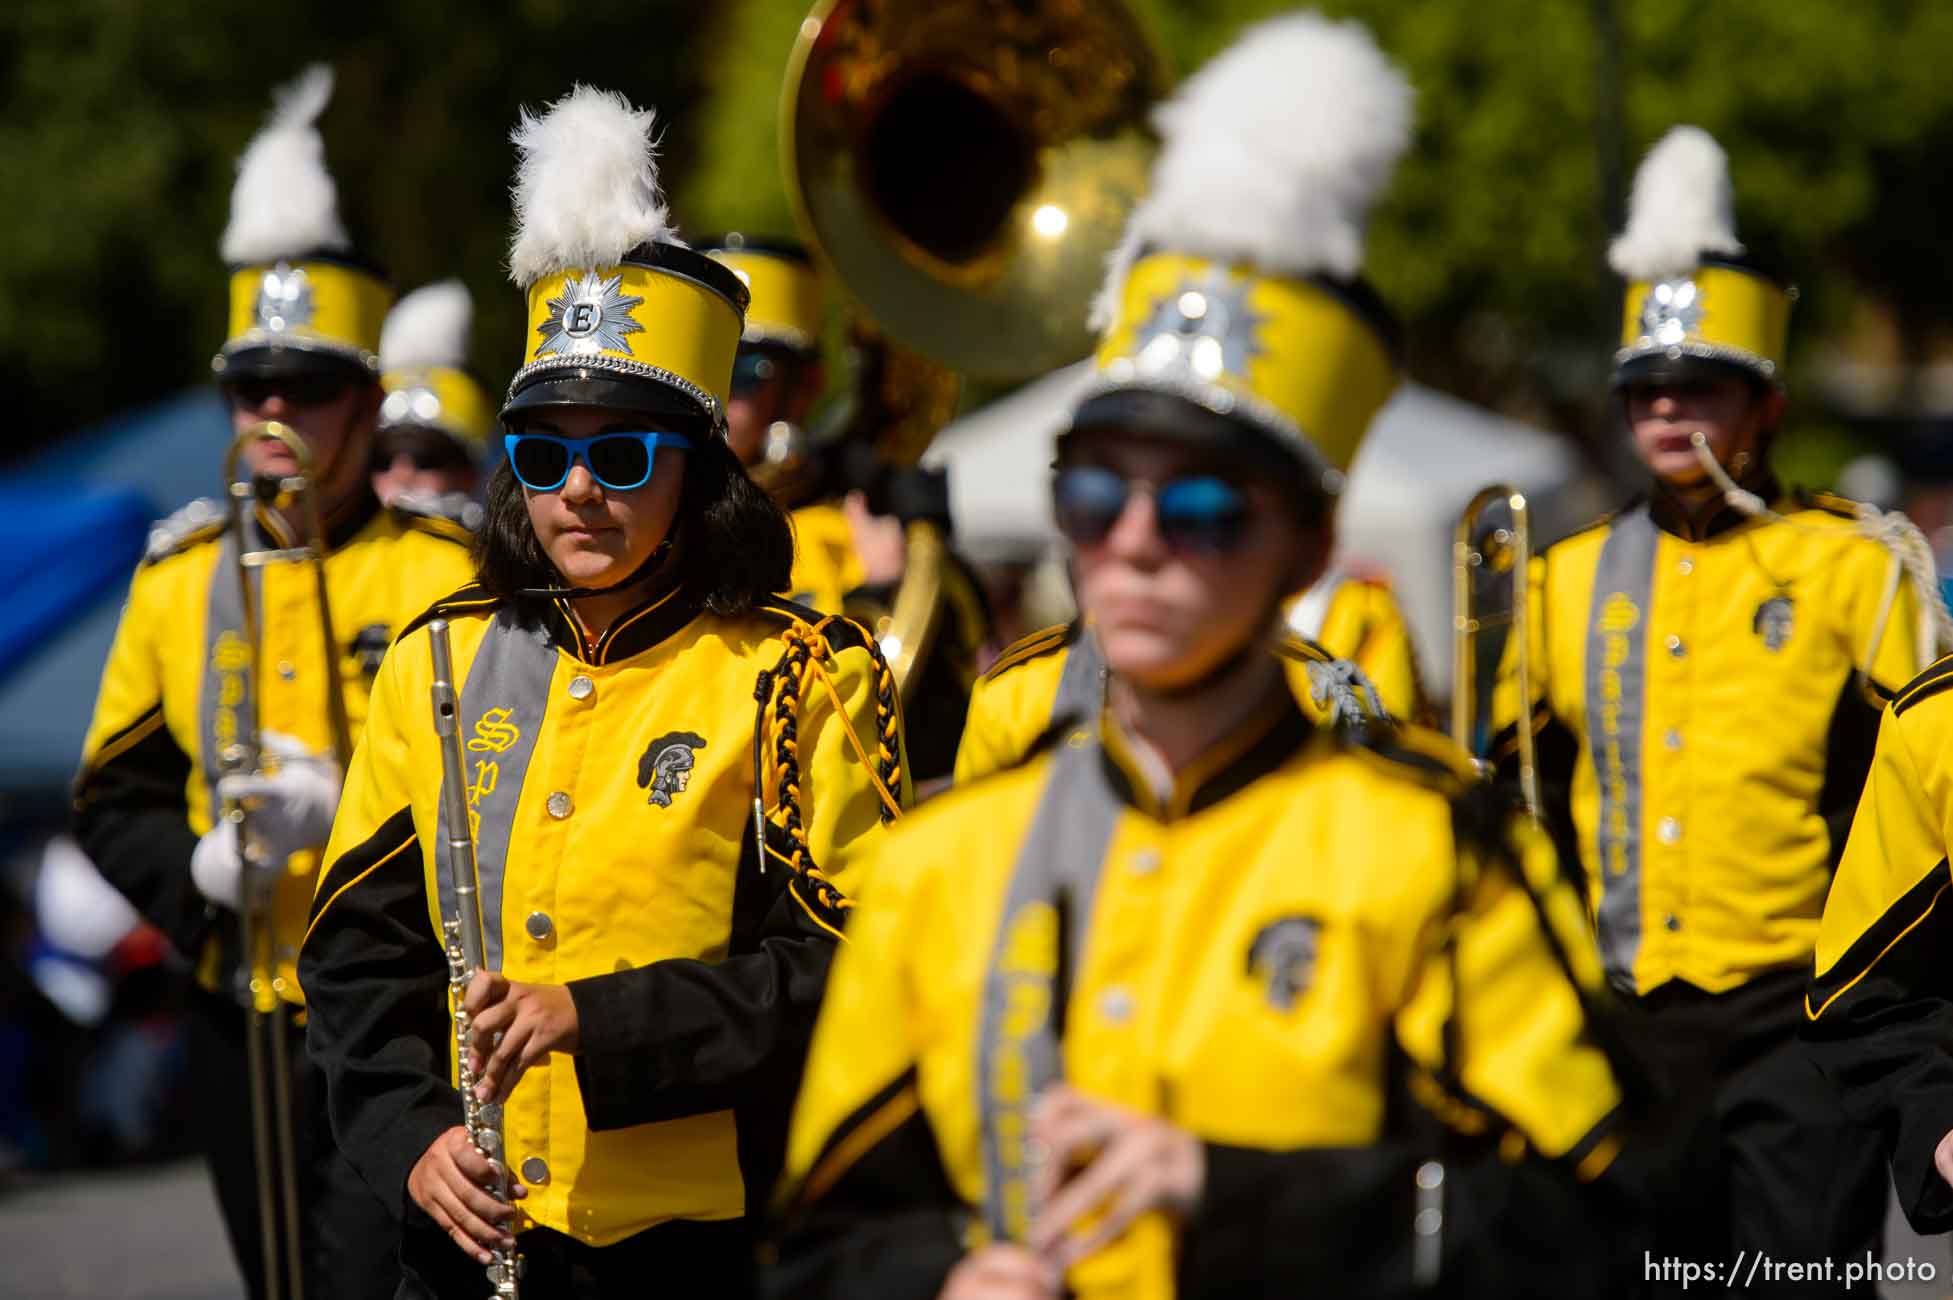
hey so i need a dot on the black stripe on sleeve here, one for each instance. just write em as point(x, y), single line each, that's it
point(1899, 945)
point(876, 1215)
point(377, 1023)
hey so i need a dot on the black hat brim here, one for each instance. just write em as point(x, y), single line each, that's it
point(579, 387)
point(1661, 368)
point(285, 361)
point(1174, 417)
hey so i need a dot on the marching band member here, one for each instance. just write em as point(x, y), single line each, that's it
point(1135, 1018)
point(1705, 667)
point(775, 380)
point(1878, 1006)
point(1338, 622)
point(848, 507)
point(653, 974)
point(304, 323)
point(436, 420)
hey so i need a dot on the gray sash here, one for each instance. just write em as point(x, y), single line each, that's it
point(1081, 682)
point(1617, 672)
point(501, 709)
point(1056, 876)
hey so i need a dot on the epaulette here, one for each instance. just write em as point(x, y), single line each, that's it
point(1038, 643)
point(1937, 677)
point(452, 515)
point(198, 521)
point(471, 599)
point(1429, 757)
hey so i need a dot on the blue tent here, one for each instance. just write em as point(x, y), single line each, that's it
point(72, 525)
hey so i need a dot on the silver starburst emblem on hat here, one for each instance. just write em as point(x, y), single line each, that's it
point(284, 299)
point(1671, 312)
point(1204, 327)
point(593, 315)
point(416, 403)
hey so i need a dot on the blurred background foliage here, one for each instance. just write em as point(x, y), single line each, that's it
point(122, 120)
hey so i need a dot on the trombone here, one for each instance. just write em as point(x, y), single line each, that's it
point(1484, 552)
point(267, 1037)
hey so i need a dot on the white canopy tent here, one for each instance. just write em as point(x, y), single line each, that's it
point(1425, 456)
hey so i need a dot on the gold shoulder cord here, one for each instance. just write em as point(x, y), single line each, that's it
point(780, 693)
point(1911, 557)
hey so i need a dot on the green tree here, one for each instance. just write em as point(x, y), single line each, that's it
point(1532, 115)
point(121, 124)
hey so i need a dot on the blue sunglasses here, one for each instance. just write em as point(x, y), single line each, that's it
point(619, 462)
point(1196, 513)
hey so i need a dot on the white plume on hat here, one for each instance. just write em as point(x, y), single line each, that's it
point(285, 203)
point(1274, 153)
point(428, 327)
point(1681, 208)
point(586, 185)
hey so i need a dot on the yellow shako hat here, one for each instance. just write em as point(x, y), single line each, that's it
point(621, 314)
point(1694, 302)
point(424, 368)
point(301, 300)
point(1235, 302)
point(785, 310)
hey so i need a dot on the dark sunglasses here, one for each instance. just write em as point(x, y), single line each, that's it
point(619, 462)
point(752, 370)
point(1195, 513)
point(297, 390)
point(423, 456)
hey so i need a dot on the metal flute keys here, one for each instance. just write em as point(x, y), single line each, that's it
point(462, 934)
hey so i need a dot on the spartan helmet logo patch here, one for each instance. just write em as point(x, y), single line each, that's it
point(593, 315)
point(284, 299)
point(1282, 959)
point(666, 768)
point(1773, 622)
point(1671, 312)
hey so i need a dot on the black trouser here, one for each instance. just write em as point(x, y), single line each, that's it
point(680, 1258)
point(350, 1240)
point(1769, 1162)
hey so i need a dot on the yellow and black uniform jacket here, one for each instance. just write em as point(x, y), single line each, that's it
point(1880, 1006)
point(1264, 956)
point(1702, 693)
point(176, 688)
point(1055, 673)
point(825, 565)
point(611, 790)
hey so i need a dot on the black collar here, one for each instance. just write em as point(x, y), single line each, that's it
point(1260, 746)
point(665, 609)
point(1712, 517)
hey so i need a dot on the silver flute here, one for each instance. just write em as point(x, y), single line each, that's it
point(462, 933)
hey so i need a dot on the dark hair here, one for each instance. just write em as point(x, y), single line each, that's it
point(734, 542)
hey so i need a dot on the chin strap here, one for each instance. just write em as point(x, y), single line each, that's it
point(645, 570)
point(1911, 557)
